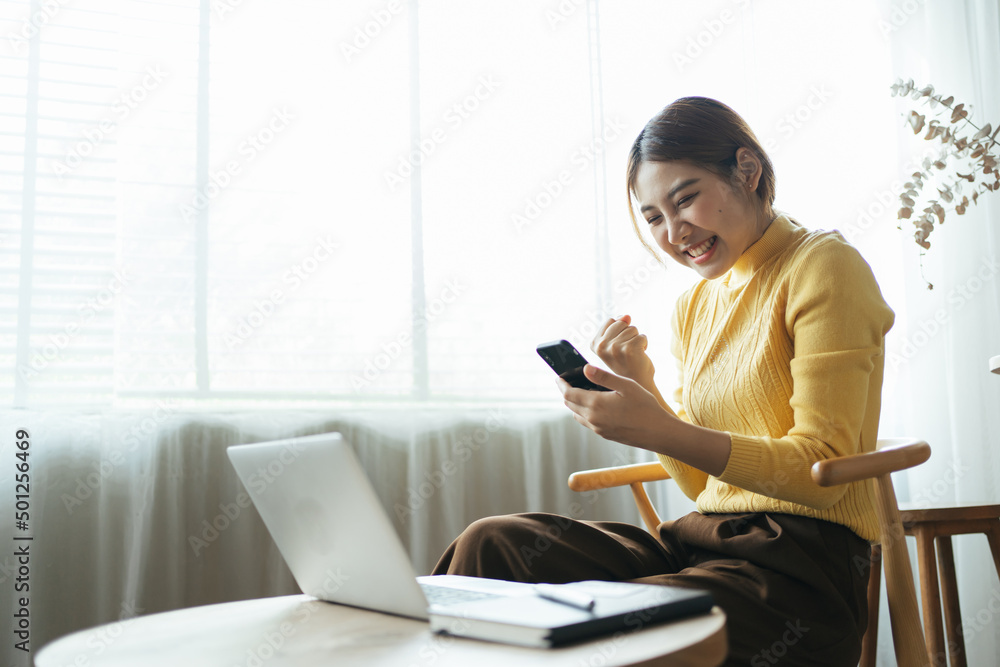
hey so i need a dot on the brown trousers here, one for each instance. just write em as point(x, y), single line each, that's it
point(793, 588)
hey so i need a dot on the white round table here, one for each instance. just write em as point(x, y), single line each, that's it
point(305, 632)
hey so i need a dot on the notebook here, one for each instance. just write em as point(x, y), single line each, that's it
point(341, 546)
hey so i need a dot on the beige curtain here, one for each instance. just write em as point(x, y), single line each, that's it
point(135, 513)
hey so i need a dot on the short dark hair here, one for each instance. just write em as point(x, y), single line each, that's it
point(706, 133)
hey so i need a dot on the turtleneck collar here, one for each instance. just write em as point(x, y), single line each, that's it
point(775, 238)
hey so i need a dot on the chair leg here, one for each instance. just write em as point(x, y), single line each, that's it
point(952, 612)
point(869, 643)
point(993, 535)
point(646, 510)
point(930, 595)
point(904, 614)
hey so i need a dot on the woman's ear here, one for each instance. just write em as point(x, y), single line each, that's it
point(749, 168)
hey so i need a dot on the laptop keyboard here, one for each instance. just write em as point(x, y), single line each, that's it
point(443, 595)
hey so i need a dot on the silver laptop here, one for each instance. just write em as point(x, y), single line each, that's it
point(340, 546)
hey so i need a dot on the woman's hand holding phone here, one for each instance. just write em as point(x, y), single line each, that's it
point(614, 406)
point(628, 408)
point(628, 413)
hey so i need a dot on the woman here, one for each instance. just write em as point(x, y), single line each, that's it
point(781, 355)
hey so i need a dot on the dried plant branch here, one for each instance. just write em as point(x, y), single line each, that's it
point(942, 178)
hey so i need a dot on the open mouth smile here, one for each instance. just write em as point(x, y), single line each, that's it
point(703, 251)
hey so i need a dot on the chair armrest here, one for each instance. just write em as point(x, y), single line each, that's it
point(894, 455)
point(604, 478)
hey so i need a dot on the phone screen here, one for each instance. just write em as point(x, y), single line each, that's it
point(568, 364)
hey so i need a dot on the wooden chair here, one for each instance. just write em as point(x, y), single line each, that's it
point(937, 525)
point(892, 455)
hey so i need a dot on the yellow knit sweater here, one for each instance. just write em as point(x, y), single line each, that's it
point(785, 353)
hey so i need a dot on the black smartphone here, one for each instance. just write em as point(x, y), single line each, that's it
point(567, 363)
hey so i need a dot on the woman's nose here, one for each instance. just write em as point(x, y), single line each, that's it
point(677, 231)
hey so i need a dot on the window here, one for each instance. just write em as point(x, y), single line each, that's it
point(379, 201)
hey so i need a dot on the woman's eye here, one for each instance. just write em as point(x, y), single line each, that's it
point(684, 200)
point(654, 220)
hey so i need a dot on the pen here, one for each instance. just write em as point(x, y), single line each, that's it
point(565, 596)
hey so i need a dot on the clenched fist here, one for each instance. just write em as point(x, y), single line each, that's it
point(620, 345)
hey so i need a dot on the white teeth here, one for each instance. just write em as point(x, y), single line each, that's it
point(703, 248)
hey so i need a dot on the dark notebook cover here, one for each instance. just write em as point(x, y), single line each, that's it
point(535, 621)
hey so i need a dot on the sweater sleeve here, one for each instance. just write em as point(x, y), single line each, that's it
point(690, 480)
point(837, 319)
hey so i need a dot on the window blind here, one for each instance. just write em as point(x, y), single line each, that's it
point(371, 201)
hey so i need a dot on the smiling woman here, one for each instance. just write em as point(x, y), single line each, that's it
point(781, 351)
point(718, 175)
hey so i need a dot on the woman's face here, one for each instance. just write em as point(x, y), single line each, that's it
point(696, 216)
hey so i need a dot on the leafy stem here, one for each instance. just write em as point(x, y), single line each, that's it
point(971, 153)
